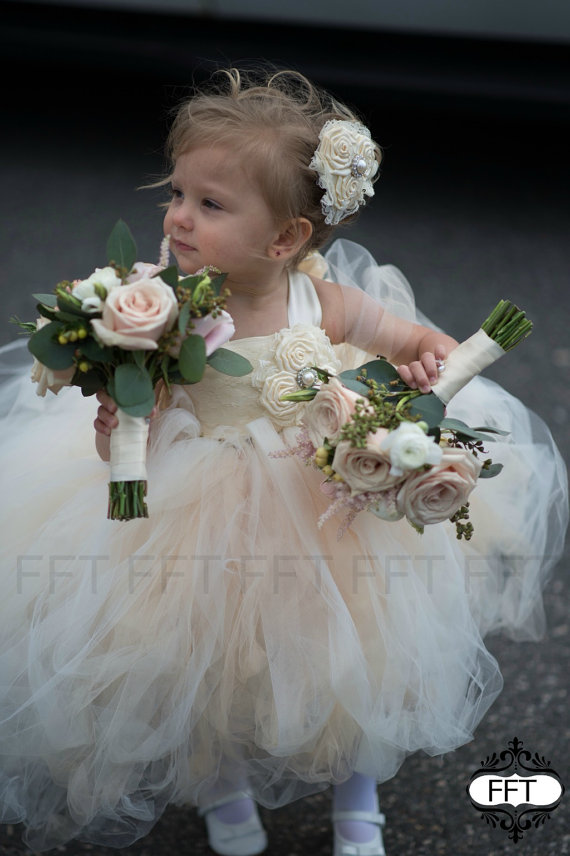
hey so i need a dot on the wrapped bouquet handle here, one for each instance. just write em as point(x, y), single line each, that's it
point(128, 478)
point(502, 331)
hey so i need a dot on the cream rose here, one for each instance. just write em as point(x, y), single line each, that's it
point(410, 448)
point(304, 345)
point(435, 495)
point(365, 469)
point(331, 408)
point(135, 316)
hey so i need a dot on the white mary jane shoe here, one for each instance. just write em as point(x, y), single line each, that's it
point(343, 847)
point(234, 839)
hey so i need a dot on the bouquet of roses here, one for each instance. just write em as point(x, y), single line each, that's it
point(389, 449)
point(127, 327)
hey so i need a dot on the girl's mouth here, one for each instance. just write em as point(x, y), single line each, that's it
point(182, 247)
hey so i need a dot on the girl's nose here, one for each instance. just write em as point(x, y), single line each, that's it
point(182, 217)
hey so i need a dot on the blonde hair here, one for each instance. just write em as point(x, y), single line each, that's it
point(273, 120)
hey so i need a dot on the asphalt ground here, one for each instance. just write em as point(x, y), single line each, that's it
point(472, 206)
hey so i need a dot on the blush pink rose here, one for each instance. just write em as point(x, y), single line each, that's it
point(142, 270)
point(329, 410)
point(436, 494)
point(135, 316)
point(365, 469)
point(215, 332)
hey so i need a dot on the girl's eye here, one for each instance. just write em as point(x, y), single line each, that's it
point(175, 192)
point(209, 203)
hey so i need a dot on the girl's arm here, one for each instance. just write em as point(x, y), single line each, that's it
point(350, 315)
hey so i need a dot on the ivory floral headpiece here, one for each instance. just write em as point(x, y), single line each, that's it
point(345, 161)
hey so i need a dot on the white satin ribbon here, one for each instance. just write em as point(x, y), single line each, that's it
point(128, 448)
point(465, 362)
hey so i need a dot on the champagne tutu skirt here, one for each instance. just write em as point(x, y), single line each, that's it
point(142, 662)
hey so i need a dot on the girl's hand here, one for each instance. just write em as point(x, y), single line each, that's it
point(422, 374)
point(106, 419)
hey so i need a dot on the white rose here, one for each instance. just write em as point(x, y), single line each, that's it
point(410, 448)
point(365, 469)
point(329, 410)
point(95, 289)
point(435, 495)
point(135, 316)
point(304, 345)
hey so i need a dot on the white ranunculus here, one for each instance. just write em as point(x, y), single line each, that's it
point(94, 290)
point(410, 448)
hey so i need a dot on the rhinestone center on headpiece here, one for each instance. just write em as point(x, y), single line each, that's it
point(358, 166)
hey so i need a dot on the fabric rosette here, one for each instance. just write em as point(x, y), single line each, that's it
point(300, 347)
point(345, 161)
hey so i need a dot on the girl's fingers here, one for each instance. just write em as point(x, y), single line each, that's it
point(415, 376)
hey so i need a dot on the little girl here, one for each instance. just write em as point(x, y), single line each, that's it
point(226, 652)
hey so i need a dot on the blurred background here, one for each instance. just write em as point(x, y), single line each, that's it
point(470, 100)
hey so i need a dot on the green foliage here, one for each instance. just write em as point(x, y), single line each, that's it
point(132, 389)
point(121, 247)
point(229, 363)
point(192, 359)
point(44, 346)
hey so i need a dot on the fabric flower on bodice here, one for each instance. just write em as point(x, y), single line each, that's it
point(295, 352)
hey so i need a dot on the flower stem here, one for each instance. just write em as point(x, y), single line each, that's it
point(507, 325)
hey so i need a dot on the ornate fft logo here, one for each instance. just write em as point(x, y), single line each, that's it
point(515, 790)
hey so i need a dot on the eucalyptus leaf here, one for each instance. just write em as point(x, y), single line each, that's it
point(121, 246)
point(133, 390)
point(71, 308)
point(90, 382)
point(169, 275)
point(459, 427)
point(44, 346)
point(47, 299)
point(183, 317)
point(428, 408)
point(95, 352)
point(229, 363)
point(354, 385)
point(217, 282)
point(490, 471)
point(192, 359)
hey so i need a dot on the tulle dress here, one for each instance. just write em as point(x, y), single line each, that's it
point(141, 662)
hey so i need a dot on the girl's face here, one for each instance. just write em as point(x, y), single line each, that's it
point(218, 216)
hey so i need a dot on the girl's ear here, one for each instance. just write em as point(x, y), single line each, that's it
point(291, 238)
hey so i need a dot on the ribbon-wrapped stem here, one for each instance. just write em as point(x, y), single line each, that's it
point(128, 480)
point(502, 331)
